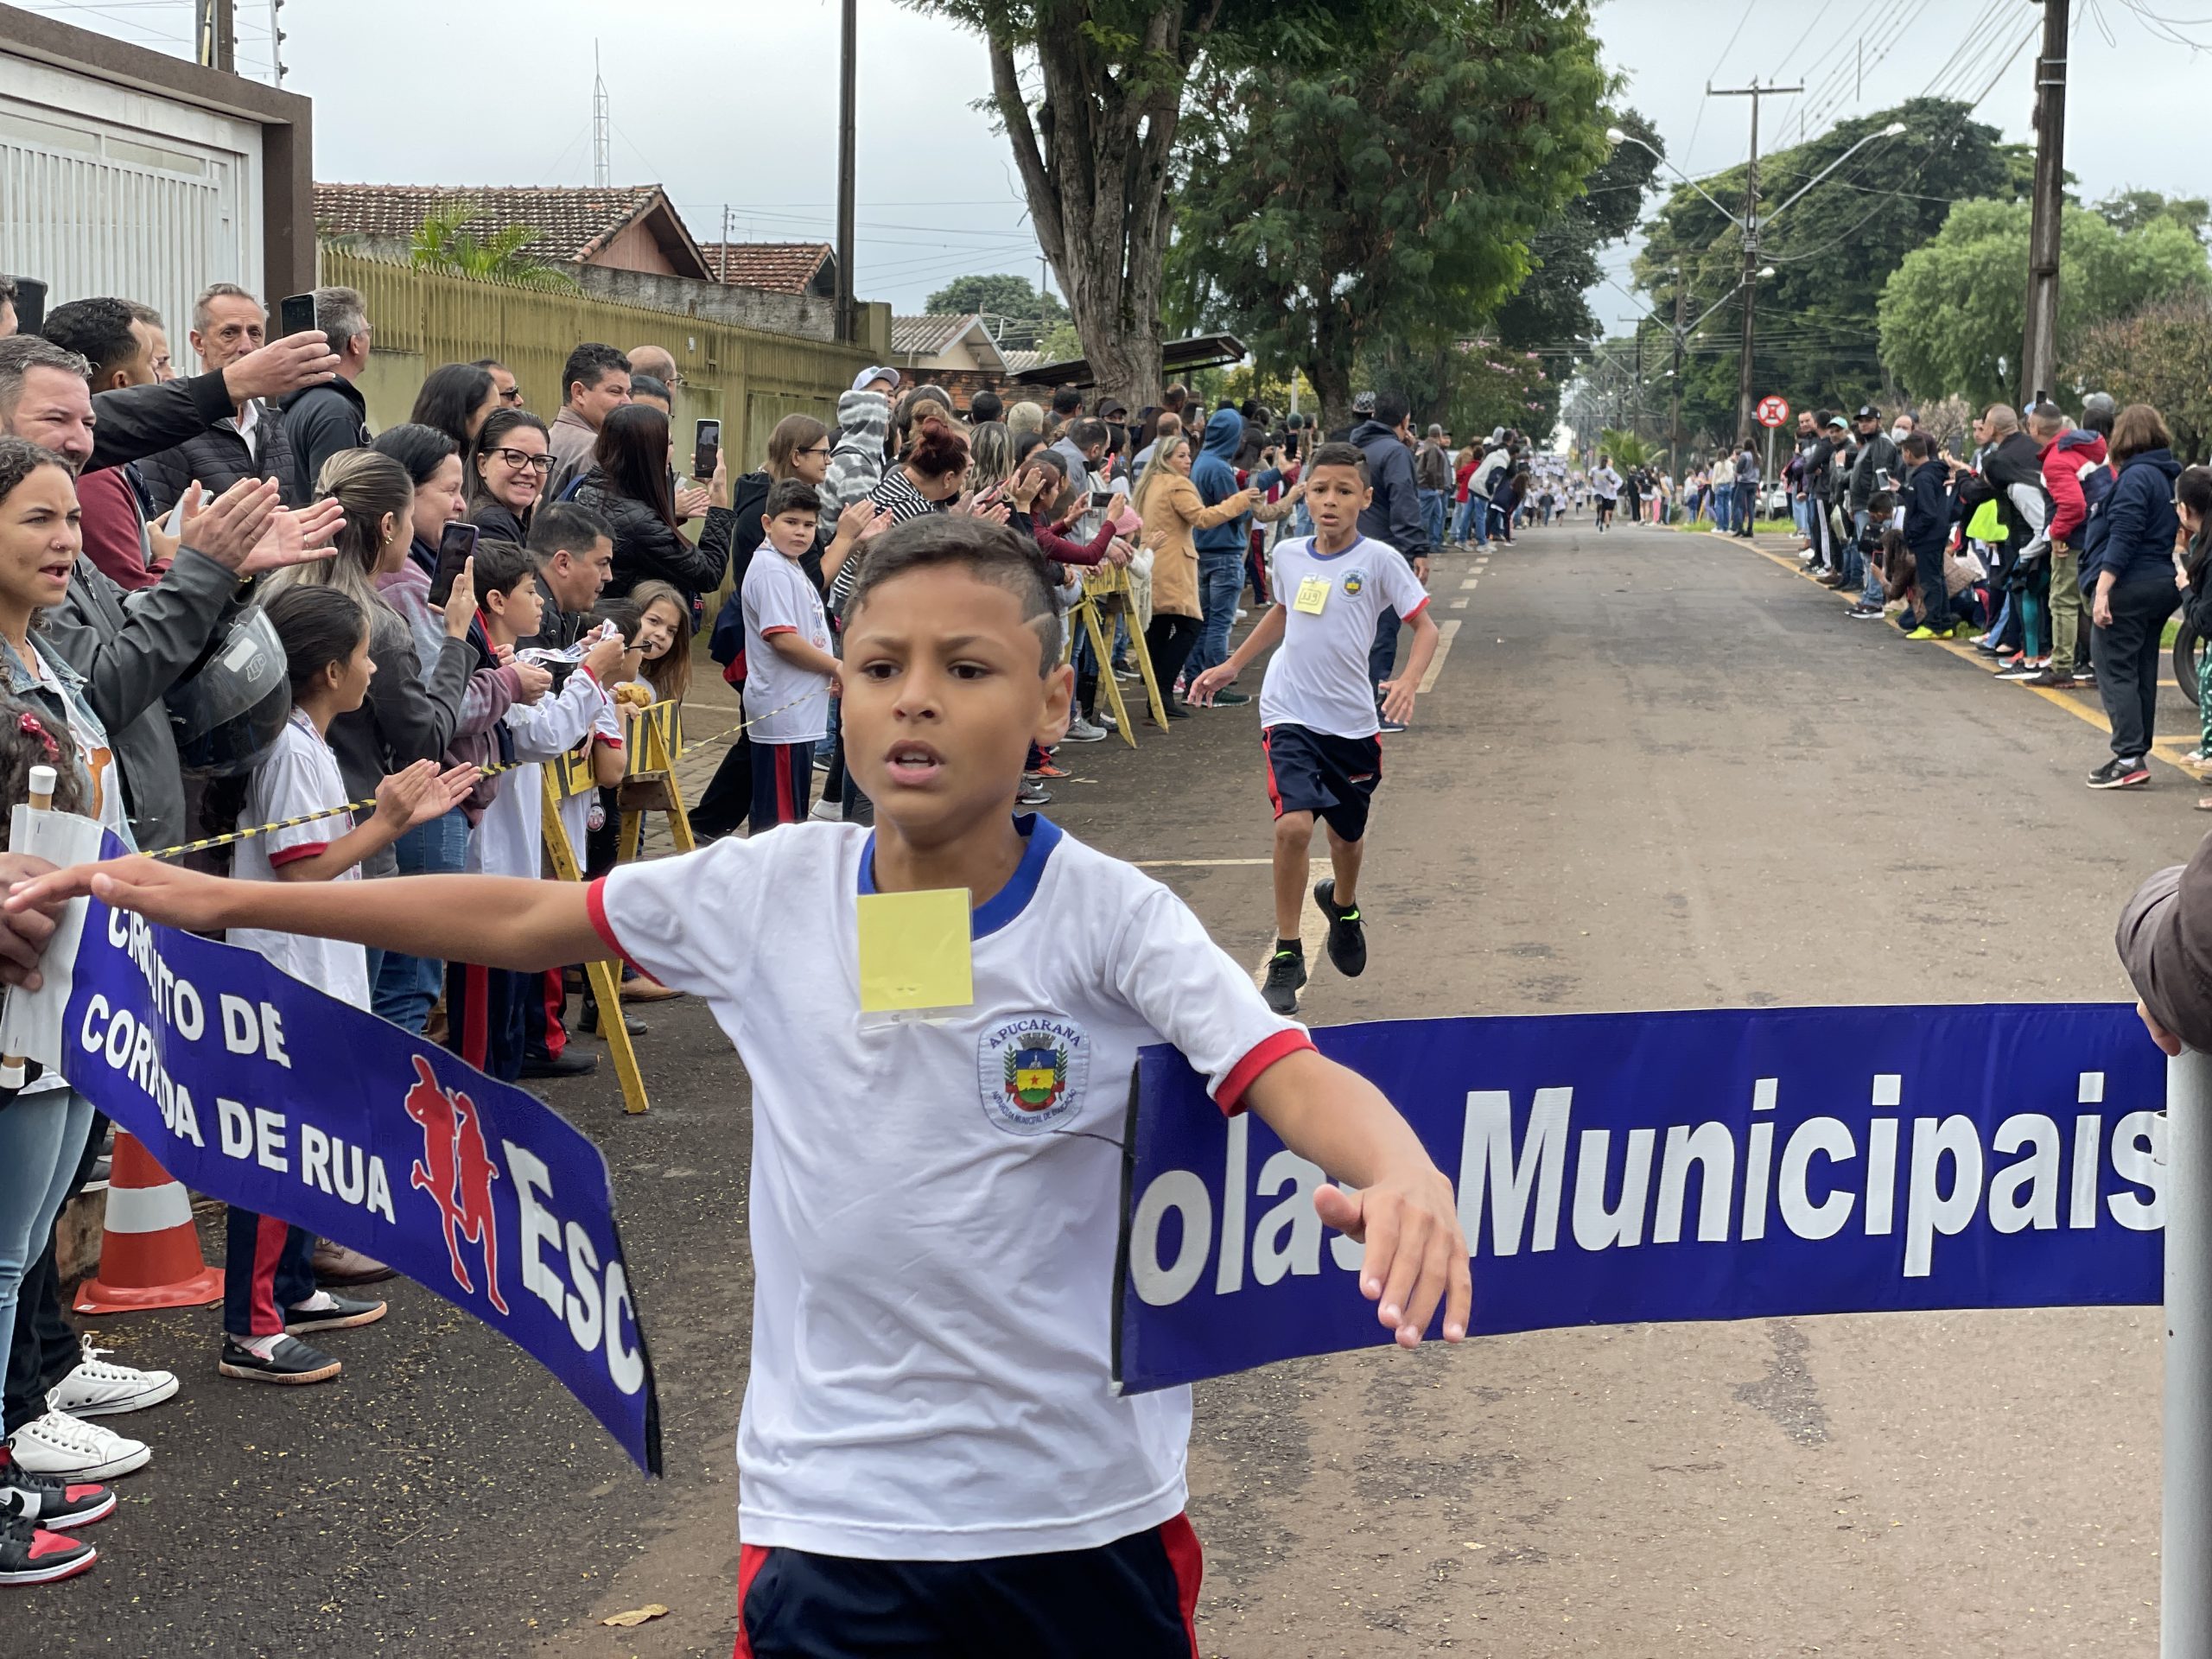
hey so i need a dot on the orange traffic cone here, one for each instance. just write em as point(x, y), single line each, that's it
point(151, 1257)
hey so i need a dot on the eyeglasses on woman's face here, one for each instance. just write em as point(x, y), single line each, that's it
point(820, 449)
point(520, 459)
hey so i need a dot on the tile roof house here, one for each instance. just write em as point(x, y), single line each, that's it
point(941, 344)
point(809, 268)
point(626, 227)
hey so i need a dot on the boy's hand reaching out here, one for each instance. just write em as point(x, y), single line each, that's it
point(1398, 700)
point(1416, 1255)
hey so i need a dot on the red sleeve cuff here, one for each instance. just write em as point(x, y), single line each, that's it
point(278, 861)
point(1417, 609)
point(1230, 1095)
point(595, 907)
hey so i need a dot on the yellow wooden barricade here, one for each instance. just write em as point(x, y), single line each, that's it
point(652, 739)
point(1106, 595)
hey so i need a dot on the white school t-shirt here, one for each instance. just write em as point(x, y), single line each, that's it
point(510, 838)
point(933, 1255)
point(575, 809)
point(298, 776)
point(1318, 676)
point(779, 599)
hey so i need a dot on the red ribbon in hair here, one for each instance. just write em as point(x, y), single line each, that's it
point(31, 726)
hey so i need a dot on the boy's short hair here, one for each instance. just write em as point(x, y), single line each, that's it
point(626, 618)
point(994, 553)
point(1919, 445)
point(565, 527)
point(1339, 454)
point(501, 566)
point(791, 495)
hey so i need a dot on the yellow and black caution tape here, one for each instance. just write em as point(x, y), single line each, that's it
point(209, 843)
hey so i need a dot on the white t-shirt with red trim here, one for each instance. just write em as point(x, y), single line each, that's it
point(786, 704)
point(934, 1206)
point(1318, 676)
point(299, 776)
point(575, 809)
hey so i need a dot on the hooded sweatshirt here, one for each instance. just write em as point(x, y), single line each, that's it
point(2062, 460)
point(1214, 473)
point(1393, 512)
point(856, 463)
point(2141, 523)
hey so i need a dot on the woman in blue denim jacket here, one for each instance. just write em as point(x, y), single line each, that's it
point(43, 720)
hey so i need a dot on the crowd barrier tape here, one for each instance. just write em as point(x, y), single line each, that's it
point(262, 1091)
point(1631, 1168)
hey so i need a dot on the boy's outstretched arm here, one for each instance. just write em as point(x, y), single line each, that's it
point(1403, 1209)
point(502, 921)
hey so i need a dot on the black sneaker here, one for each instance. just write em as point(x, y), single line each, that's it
point(290, 1361)
point(1231, 699)
point(343, 1314)
point(1864, 612)
point(51, 1501)
point(2121, 774)
point(572, 1064)
point(1388, 727)
point(30, 1554)
point(1286, 973)
point(1347, 939)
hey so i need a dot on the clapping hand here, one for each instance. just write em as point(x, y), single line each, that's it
point(422, 793)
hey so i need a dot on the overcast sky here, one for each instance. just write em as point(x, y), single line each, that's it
point(733, 101)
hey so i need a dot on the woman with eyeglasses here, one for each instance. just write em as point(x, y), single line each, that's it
point(506, 473)
point(798, 448)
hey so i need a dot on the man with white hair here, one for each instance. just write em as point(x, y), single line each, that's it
point(227, 322)
point(326, 420)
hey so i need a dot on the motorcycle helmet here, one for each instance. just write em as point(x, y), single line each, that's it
point(228, 712)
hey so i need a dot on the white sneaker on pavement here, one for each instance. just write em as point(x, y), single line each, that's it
point(97, 1388)
point(1081, 731)
point(58, 1443)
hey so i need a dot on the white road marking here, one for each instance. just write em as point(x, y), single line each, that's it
point(1194, 863)
point(1436, 663)
point(1459, 604)
point(1467, 586)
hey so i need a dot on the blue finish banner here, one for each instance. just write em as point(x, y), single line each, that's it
point(1630, 1167)
point(253, 1088)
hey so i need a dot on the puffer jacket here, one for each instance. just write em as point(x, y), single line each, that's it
point(645, 548)
point(218, 458)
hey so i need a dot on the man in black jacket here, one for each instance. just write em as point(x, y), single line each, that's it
point(1877, 453)
point(1927, 531)
point(250, 442)
point(1820, 488)
point(1392, 514)
point(136, 422)
point(327, 419)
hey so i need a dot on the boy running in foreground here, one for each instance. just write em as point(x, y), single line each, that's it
point(932, 1459)
point(1318, 720)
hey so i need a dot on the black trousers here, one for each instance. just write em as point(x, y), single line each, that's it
point(1167, 641)
point(729, 799)
point(2126, 657)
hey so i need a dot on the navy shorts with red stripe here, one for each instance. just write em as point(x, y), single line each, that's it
point(783, 783)
point(1136, 1598)
point(1333, 778)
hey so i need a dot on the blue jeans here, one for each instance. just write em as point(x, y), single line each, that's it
point(401, 989)
point(1724, 506)
point(1801, 514)
point(1746, 500)
point(42, 1138)
point(1432, 515)
point(1221, 579)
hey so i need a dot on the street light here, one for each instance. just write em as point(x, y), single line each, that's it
point(1749, 224)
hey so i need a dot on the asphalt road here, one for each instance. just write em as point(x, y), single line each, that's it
point(1657, 770)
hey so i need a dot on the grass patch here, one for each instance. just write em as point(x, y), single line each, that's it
point(1759, 527)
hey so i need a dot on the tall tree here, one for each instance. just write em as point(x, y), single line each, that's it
point(1024, 313)
point(1952, 314)
point(1831, 252)
point(1550, 311)
point(1385, 203)
point(1093, 132)
point(2160, 355)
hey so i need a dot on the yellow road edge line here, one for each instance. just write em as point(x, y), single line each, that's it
point(1967, 653)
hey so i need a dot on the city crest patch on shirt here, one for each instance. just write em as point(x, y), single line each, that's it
point(1033, 1071)
point(1354, 581)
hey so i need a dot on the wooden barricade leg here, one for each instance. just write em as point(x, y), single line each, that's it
point(1107, 683)
point(604, 977)
point(1153, 694)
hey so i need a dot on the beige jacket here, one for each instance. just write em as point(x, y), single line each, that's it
point(1172, 509)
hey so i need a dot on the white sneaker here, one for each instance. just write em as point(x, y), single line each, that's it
point(828, 811)
point(97, 1388)
point(1081, 731)
point(58, 1443)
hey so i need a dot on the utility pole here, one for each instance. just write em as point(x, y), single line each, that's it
point(1675, 394)
point(276, 39)
point(847, 89)
point(602, 151)
point(2039, 353)
point(215, 35)
point(725, 261)
point(1754, 91)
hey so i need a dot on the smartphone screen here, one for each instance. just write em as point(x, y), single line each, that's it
point(706, 448)
point(30, 305)
point(294, 315)
point(456, 546)
point(1102, 500)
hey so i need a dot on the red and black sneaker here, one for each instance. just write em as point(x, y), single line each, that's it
point(30, 1554)
point(51, 1501)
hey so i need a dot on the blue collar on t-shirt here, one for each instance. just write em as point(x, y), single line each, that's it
point(1009, 902)
point(1313, 548)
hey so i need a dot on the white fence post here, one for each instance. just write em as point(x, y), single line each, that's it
point(2185, 1558)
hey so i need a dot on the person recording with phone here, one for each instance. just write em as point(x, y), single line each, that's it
point(628, 486)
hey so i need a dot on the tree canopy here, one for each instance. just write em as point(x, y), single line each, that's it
point(2160, 355)
point(1952, 314)
point(1020, 315)
point(1831, 253)
point(441, 243)
point(1384, 205)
